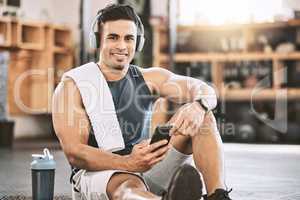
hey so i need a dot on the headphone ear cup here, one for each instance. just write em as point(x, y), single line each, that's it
point(97, 41)
point(140, 40)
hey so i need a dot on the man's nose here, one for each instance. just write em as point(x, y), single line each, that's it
point(121, 44)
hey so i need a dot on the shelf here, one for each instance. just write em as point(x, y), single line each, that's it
point(204, 57)
point(230, 27)
point(39, 53)
point(264, 94)
point(34, 35)
point(61, 50)
point(218, 59)
point(62, 38)
point(31, 35)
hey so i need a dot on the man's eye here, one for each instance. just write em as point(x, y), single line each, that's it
point(112, 38)
point(130, 38)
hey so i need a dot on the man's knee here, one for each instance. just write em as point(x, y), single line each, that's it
point(183, 143)
point(120, 182)
point(133, 183)
point(210, 119)
point(209, 125)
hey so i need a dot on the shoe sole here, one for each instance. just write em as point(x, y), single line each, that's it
point(185, 184)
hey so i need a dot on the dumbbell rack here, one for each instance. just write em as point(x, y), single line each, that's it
point(39, 54)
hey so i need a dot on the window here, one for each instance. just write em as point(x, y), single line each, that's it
point(216, 12)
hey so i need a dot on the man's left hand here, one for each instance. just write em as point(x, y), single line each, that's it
point(187, 120)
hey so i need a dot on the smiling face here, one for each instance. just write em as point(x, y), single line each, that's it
point(118, 41)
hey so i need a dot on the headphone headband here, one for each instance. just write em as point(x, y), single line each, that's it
point(92, 36)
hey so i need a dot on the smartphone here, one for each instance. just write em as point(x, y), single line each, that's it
point(161, 133)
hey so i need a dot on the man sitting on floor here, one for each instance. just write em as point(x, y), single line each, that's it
point(138, 170)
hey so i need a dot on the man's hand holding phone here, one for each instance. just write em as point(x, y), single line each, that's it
point(145, 155)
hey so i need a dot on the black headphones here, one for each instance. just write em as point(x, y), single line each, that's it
point(94, 35)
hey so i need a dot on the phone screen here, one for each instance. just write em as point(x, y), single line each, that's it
point(161, 133)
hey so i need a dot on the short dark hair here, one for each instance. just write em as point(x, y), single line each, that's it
point(115, 12)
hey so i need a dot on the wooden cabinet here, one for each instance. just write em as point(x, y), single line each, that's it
point(39, 54)
point(19, 82)
point(31, 35)
point(62, 38)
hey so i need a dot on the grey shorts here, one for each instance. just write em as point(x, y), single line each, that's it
point(92, 185)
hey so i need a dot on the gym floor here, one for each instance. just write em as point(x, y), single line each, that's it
point(255, 172)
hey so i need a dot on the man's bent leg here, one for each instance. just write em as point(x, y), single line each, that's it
point(206, 147)
point(182, 143)
point(127, 186)
point(208, 154)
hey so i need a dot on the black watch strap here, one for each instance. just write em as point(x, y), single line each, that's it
point(202, 105)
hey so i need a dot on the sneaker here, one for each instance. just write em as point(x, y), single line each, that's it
point(219, 194)
point(185, 184)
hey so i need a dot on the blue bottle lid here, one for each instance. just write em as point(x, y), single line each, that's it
point(43, 161)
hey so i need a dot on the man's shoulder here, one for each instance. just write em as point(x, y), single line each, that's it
point(155, 74)
point(65, 85)
point(154, 71)
point(67, 81)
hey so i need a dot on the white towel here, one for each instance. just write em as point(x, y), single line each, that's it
point(99, 105)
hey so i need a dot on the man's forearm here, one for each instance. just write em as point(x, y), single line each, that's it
point(93, 159)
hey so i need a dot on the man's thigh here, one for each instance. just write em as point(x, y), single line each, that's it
point(182, 143)
point(98, 184)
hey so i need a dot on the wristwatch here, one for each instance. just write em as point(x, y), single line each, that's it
point(204, 104)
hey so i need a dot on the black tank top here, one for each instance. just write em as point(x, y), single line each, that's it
point(133, 103)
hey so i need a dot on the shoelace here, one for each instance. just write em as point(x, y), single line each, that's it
point(226, 193)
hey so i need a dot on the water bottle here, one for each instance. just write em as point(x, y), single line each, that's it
point(42, 174)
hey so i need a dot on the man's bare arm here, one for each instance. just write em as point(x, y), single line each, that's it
point(177, 88)
point(72, 128)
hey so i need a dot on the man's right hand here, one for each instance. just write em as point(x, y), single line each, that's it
point(144, 156)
